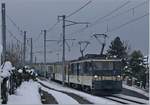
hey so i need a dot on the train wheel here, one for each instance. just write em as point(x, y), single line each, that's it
point(86, 89)
point(79, 87)
point(92, 92)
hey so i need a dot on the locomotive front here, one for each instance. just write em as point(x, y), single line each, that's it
point(106, 76)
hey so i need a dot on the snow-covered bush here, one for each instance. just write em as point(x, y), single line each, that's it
point(6, 69)
point(5, 73)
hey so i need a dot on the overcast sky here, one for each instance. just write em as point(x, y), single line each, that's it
point(36, 15)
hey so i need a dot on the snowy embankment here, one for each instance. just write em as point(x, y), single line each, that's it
point(136, 90)
point(91, 98)
point(27, 93)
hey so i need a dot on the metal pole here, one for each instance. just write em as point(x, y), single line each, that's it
point(3, 33)
point(58, 57)
point(35, 60)
point(63, 57)
point(31, 54)
point(24, 49)
point(21, 55)
point(45, 51)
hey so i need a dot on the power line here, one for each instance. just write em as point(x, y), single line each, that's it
point(11, 34)
point(12, 21)
point(52, 27)
point(110, 13)
point(129, 10)
point(71, 14)
point(128, 22)
point(38, 36)
point(101, 18)
point(50, 51)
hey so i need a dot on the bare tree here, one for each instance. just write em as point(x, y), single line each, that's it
point(14, 54)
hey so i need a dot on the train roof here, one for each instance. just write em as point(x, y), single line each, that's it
point(88, 58)
point(96, 60)
point(96, 57)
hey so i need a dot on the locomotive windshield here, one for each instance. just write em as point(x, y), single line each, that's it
point(97, 65)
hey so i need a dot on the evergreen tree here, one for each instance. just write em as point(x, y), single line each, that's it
point(117, 48)
point(136, 66)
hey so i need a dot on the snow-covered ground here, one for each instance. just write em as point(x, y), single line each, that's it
point(27, 93)
point(91, 98)
point(60, 97)
point(136, 90)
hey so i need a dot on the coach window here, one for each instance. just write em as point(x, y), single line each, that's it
point(72, 68)
point(77, 68)
point(84, 67)
point(80, 68)
point(69, 70)
point(87, 68)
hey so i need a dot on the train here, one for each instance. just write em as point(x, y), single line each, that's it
point(92, 73)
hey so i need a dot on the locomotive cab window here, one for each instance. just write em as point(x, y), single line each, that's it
point(102, 65)
point(117, 65)
point(107, 65)
point(73, 68)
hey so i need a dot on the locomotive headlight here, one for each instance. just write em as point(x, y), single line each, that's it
point(118, 76)
point(95, 76)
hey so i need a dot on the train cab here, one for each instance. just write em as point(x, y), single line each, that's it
point(97, 74)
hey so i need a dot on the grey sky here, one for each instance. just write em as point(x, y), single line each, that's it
point(36, 15)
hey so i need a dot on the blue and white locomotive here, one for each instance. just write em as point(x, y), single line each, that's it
point(93, 73)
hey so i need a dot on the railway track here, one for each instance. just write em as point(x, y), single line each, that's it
point(78, 98)
point(119, 101)
point(47, 98)
point(130, 100)
point(123, 100)
point(81, 100)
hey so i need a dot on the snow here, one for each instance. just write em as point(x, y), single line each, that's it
point(6, 69)
point(136, 90)
point(20, 70)
point(60, 97)
point(28, 70)
point(91, 98)
point(27, 93)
